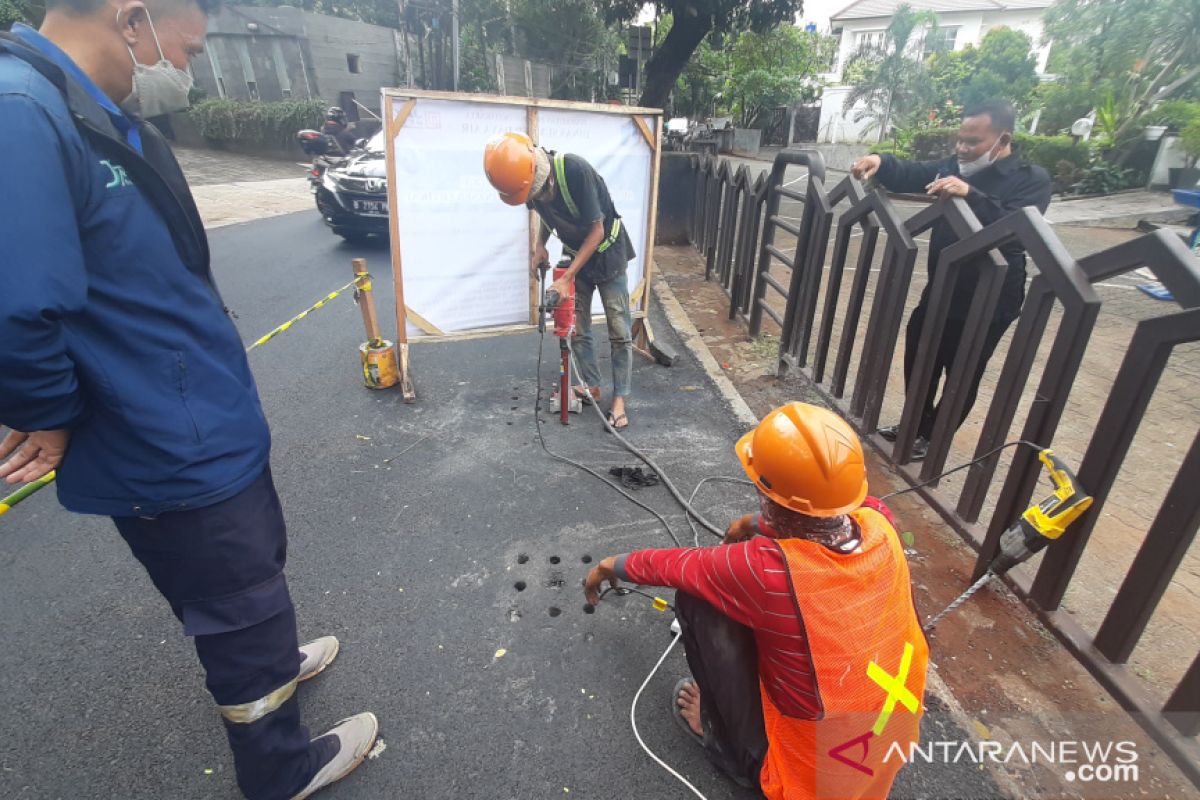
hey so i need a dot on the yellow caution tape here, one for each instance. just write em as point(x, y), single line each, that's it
point(364, 281)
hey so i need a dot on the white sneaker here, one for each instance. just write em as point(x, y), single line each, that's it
point(355, 736)
point(318, 654)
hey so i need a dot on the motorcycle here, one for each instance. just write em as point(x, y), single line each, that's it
point(325, 152)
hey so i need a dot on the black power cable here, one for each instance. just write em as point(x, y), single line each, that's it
point(1039, 448)
point(537, 422)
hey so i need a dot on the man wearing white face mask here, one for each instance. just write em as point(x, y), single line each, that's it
point(994, 181)
point(120, 369)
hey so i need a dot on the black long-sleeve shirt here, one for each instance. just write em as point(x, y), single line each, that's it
point(996, 192)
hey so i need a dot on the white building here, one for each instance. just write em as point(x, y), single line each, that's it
point(960, 22)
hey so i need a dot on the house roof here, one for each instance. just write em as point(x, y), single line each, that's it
point(869, 9)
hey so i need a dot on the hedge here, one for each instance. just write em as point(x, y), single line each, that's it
point(1045, 151)
point(264, 124)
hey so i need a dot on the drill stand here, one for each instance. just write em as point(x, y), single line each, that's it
point(574, 404)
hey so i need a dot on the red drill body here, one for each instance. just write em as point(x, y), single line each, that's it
point(564, 312)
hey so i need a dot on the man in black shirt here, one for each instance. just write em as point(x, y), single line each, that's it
point(987, 173)
point(573, 202)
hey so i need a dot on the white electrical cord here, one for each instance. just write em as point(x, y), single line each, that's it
point(633, 720)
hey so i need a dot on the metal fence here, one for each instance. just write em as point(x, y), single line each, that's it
point(734, 225)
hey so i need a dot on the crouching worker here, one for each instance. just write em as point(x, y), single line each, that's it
point(807, 657)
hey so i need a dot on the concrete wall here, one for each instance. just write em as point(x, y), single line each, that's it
point(674, 198)
point(747, 141)
point(279, 53)
point(837, 122)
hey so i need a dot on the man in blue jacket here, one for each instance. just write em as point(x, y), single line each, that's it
point(995, 181)
point(120, 368)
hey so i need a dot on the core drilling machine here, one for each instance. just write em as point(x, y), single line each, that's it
point(563, 310)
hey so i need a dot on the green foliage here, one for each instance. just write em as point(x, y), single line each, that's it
point(1137, 52)
point(264, 124)
point(1003, 66)
point(1189, 142)
point(900, 145)
point(694, 20)
point(1062, 103)
point(13, 11)
point(933, 143)
point(892, 87)
point(773, 69)
point(1175, 114)
point(699, 91)
point(1103, 177)
point(1050, 152)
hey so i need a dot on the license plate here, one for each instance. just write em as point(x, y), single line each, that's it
point(376, 208)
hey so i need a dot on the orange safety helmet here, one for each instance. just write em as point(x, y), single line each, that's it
point(510, 165)
point(806, 459)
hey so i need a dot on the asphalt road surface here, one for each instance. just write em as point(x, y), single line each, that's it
point(411, 529)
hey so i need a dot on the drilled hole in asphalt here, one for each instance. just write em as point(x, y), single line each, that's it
point(554, 559)
point(589, 609)
point(513, 408)
point(514, 397)
point(519, 586)
point(555, 611)
point(522, 558)
point(508, 423)
point(586, 559)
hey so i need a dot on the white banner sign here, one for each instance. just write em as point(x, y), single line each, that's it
point(464, 252)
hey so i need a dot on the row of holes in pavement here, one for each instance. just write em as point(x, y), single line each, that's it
point(554, 611)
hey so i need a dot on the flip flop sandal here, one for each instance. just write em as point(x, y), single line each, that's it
point(677, 712)
point(615, 421)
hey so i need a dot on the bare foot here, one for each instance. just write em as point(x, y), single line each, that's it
point(689, 705)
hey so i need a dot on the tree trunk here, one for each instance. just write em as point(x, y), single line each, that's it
point(887, 116)
point(669, 61)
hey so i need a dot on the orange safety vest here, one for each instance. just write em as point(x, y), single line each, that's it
point(869, 656)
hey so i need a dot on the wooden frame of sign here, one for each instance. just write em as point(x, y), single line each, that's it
point(398, 104)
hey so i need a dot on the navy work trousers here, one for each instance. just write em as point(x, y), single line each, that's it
point(221, 569)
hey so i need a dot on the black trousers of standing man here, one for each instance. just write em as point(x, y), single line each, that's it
point(947, 351)
point(221, 569)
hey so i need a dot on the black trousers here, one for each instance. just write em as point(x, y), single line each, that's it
point(947, 350)
point(723, 658)
point(221, 570)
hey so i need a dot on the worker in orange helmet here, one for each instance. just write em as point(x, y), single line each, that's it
point(573, 202)
point(807, 658)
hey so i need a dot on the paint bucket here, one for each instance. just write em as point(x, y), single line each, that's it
point(379, 368)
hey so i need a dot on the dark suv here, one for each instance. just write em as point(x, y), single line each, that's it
point(352, 195)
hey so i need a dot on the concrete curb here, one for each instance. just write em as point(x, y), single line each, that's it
point(694, 342)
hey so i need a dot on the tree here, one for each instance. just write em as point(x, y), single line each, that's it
point(571, 36)
point(694, 20)
point(891, 79)
point(1003, 66)
point(1139, 52)
point(701, 86)
point(774, 69)
point(12, 11)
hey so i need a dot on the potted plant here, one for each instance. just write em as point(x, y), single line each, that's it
point(1189, 145)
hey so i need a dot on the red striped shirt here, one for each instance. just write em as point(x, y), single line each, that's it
point(749, 583)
